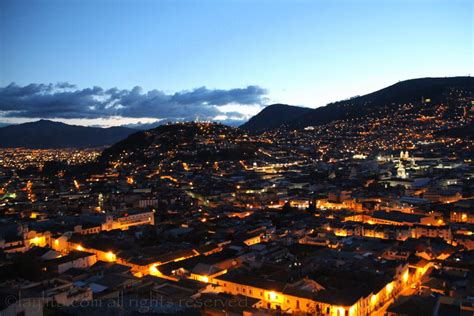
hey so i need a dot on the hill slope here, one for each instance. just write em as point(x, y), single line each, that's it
point(438, 90)
point(49, 134)
point(187, 142)
point(384, 101)
point(274, 116)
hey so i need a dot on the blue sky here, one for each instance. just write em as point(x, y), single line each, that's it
point(297, 52)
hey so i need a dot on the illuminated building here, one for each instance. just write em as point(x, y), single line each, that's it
point(401, 173)
point(462, 216)
point(74, 259)
point(293, 298)
point(126, 220)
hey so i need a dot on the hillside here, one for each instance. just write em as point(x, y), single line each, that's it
point(382, 102)
point(438, 90)
point(274, 116)
point(187, 142)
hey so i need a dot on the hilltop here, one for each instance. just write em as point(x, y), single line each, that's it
point(273, 116)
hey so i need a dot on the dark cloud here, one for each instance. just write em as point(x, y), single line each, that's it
point(64, 100)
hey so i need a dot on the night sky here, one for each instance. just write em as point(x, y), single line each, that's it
point(117, 62)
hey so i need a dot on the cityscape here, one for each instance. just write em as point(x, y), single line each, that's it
point(124, 202)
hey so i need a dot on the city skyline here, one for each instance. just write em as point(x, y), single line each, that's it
point(237, 157)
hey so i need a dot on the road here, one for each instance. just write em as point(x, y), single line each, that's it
point(381, 311)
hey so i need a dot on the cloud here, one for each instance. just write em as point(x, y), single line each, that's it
point(66, 101)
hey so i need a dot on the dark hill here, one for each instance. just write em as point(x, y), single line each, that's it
point(49, 134)
point(466, 132)
point(381, 102)
point(274, 116)
point(387, 100)
point(187, 142)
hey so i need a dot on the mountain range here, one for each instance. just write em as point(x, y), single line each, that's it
point(421, 92)
point(49, 134)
